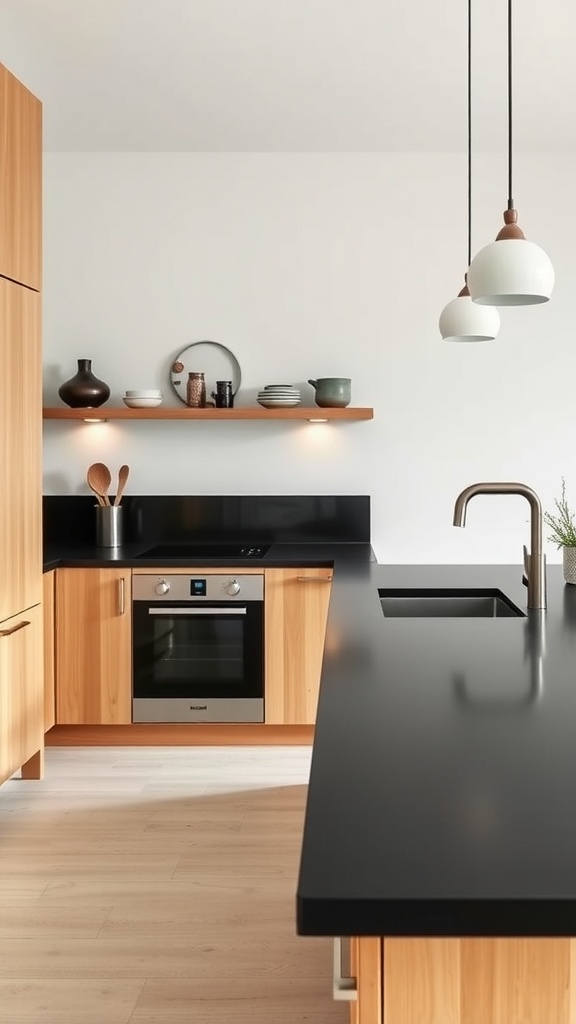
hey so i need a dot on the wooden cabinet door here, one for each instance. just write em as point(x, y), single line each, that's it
point(93, 647)
point(20, 445)
point(295, 609)
point(367, 968)
point(20, 182)
point(21, 692)
point(49, 651)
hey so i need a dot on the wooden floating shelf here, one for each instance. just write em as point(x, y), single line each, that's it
point(166, 412)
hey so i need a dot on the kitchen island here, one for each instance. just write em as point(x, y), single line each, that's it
point(441, 819)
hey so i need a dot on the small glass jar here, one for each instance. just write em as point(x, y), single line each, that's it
point(196, 391)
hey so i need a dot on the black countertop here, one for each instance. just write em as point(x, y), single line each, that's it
point(88, 556)
point(442, 796)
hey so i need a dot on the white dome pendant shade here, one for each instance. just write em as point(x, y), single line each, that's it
point(462, 320)
point(511, 271)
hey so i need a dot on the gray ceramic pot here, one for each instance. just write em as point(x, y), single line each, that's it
point(332, 392)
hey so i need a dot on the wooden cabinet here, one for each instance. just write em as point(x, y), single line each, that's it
point(21, 696)
point(93, 647)
point(462, 980)
point(21, 660)
point(296, 609)
point(49, 651)
point(20, 182)
point(94, 640)
point(366, 966)
point(20, 441)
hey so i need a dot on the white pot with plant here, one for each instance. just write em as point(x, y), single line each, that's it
point(564, 534)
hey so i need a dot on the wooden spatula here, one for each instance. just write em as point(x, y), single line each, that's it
point(122, 478)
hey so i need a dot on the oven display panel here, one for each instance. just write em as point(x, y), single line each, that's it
point(197, 588)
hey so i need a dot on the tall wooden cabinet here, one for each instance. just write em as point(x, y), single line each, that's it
point(296, 610)
point(20, 441)
point(21, 663)
point(20, 183)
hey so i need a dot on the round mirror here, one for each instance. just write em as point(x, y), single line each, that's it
point(212, 359)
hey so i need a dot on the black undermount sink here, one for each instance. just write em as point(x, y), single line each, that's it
point(448, 603)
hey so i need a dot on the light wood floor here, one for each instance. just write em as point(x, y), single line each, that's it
point(156, 886)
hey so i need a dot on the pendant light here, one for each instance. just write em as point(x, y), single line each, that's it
point(462, 319)
point(511, 271)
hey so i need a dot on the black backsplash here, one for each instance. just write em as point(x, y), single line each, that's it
point(280, 519)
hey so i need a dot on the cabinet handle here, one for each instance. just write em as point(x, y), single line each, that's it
point(314, 579)
point(343, 988)
point(121, 596)
point(13, 629)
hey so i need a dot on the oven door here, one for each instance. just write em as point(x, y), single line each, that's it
point(198, 661)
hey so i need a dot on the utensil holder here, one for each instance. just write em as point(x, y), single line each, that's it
point(108, 526)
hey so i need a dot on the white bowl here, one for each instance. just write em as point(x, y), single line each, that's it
point(278, 394)
point(274, 392)
point(278, 403)
point(142, 403)
point(280, 398)
point(151, 393)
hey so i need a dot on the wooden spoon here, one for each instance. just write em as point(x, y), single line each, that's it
point(99, 479)
point(122, 478)
point(96, 494)
point(98, 497)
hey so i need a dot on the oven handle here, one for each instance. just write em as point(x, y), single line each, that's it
point(197, 611)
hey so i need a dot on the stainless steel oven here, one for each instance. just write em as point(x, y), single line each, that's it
point(198, 648)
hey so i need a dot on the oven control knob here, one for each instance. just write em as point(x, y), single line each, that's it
point(162, 587)
point(233, 587)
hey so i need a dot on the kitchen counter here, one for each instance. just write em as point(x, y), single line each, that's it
point(442, 798)
point(86, 556)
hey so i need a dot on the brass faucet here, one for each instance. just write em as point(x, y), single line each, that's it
point(535, 562)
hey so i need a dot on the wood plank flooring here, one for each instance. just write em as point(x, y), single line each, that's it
point(157, 886)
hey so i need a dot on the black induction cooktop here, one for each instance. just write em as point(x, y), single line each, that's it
point(204, 551)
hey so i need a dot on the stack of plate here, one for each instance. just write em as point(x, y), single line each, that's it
point(278, 396)
point(142, 399)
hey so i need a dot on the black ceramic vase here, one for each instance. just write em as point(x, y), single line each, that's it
point(84, 391)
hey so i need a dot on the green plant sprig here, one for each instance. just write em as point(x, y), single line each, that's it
point(562, 525)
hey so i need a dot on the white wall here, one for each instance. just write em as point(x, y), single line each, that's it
point(311, 265)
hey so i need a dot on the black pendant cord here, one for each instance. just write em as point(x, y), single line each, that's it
point(469, 132)
point(510, 200)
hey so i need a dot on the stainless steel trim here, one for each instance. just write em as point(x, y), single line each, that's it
point(122, 596)
point(197, 611)
point(13, 629)
point(343, 987)
point(251, 587)
point(314, 579)
point(200, 709)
